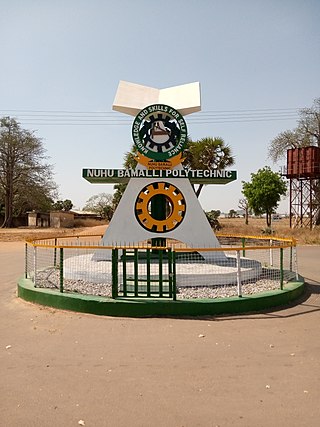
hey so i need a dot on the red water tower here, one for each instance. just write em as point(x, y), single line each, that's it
point(303, 171)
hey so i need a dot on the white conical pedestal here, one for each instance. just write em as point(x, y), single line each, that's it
point(194, 230)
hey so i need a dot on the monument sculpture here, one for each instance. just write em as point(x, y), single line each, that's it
point(159, 201)
point(139, 267)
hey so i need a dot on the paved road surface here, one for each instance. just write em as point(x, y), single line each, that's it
point(252, 370)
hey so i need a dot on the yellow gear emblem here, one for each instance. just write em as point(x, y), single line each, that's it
point(175, 207)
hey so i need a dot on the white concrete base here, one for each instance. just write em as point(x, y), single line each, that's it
point(189, 274)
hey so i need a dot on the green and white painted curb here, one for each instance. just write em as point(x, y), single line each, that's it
point(143, 307)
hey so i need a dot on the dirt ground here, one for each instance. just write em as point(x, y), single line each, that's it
point(62, 368)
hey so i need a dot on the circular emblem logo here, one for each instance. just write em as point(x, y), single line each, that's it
point(159, 132)
point(175, 207)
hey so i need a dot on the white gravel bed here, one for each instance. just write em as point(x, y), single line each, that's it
point(262, 285)
point(50, 279)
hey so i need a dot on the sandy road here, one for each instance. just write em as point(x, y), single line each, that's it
point(250, 370)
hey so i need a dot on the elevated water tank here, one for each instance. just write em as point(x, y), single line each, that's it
point(303, 162)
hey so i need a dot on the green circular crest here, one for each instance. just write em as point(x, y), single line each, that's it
point(159, 132)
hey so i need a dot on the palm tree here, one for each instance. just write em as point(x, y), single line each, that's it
point(207, 153)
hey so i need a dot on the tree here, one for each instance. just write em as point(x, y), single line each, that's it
point(108, 212)
point(212, 217)
point(207, 153)
point(101, 204)
point(58, 205)
point(130, 158)
point(33, 198)
point(130, 162)
point(232, 213)
point(63, 205)
point(25, 180)
point(119, 190)
point(67, 205)
point(264, 192)
point(244, 205)
point(307, 133)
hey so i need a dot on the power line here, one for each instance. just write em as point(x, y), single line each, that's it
point(111, 118)
point(114, 112)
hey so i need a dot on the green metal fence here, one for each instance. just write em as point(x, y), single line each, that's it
point(144, 273)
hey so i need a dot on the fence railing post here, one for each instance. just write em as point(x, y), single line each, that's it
point(239, 275)
point(170, 271)
point(296, 263)
point(291, 257)
point(114, 262)
point(61, 269)
point(160, 254)
point(148, 273)
point(281, 268)
point(243, 241)
point(136, 272)
point(35, 265)
point(26, 261)
point(55, 253)
point(271, 253)
point(124, 272)
point(174, 276)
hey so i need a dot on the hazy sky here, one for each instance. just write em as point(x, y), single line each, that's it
point(61, 62)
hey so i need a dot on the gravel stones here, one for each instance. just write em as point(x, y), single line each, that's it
point(49, 278)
